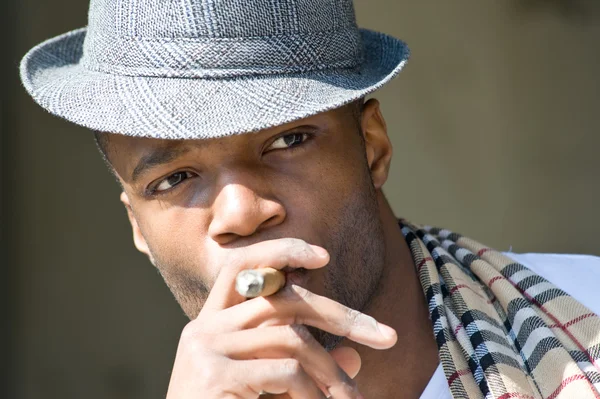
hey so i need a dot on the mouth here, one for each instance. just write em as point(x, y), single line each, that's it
point(298, 276)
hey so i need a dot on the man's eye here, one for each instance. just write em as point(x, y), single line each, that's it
point(172, 181)
point(288, 141)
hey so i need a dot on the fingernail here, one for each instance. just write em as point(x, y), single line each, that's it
point(386, 331)
point(319, 251)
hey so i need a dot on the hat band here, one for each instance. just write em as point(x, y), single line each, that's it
point(222, 57)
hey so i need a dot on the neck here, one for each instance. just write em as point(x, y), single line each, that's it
point(404, 370)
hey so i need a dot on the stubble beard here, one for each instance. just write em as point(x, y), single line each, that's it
point(357, 250)
point(357, 257)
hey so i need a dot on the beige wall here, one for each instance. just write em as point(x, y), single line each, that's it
point(495, 121)
point(495, 126)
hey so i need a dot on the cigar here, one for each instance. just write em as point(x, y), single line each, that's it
point(259, 282)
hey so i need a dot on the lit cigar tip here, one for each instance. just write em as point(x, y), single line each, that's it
point(249, 283)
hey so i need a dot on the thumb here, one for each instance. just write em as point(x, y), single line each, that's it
point(348, 359)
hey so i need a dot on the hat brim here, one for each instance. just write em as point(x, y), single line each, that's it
point(187, 108)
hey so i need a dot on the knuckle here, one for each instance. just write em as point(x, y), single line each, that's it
point(352, 318)
point(297, 248)
point(347, 385)
point(351, 386)
point(189, 332)
point(303, 252)
point(293, 243)
point(292, 367)
point(195, 339)
point(300, 337)
point(210, 371)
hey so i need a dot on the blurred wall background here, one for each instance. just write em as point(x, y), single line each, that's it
point(495, 126)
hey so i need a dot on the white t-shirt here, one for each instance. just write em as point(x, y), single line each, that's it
point(577, 275)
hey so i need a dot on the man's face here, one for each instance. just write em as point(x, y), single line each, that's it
point(193, 200)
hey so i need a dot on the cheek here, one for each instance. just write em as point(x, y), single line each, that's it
point(320, 195)
point(176, 235)
point(338, 175)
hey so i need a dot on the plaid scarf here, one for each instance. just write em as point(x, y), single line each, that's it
point(503, 331)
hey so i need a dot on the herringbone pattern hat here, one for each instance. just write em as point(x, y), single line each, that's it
point(188, 69)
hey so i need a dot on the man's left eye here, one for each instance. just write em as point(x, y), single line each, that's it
point(288, 141)
point(172, 181)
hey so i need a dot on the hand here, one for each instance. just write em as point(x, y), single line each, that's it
point(237, 348)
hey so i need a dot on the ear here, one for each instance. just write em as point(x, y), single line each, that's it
point(377, 142)
point(138, 239)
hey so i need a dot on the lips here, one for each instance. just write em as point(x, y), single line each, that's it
point(297, 276)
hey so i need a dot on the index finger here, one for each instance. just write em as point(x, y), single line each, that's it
point(279, 253)
point(297, 305)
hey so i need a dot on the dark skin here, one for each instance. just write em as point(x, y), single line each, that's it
point(229, 203)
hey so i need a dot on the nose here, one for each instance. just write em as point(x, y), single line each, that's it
point(240, 211)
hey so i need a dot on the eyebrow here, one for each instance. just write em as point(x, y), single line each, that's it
point(156, 158)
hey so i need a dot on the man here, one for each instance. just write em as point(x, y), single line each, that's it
point(241, 138)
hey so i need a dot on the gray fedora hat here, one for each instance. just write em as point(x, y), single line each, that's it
point(197, 69)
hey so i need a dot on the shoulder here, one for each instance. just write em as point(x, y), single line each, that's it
point(577, 275)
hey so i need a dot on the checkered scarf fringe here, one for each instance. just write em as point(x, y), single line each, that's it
point(503, 331)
